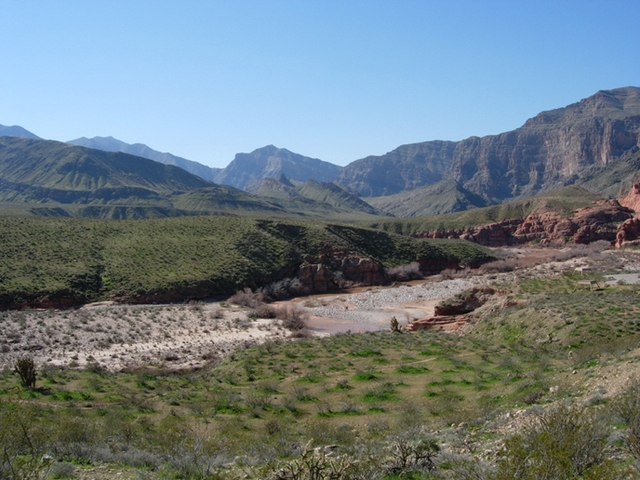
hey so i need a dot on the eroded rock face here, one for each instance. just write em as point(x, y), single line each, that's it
point(632, 199)
point(464, 302)
point(555, 148)
point(589, 224)
point(335, 266)
point(628, 233)
point(445, 323)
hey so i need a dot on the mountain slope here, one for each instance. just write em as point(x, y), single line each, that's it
point(271, 162)
point(318, 197)
point(332, 194)
point(563, 201)
point(49, 178)
point(405, 168)
point(616, 178)
point(110, 144)
point(16, 131)
point(446, 196)
point(555, 148)
point(57, 165)
point(61, 262)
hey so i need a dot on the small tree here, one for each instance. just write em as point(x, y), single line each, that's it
point(26, 369)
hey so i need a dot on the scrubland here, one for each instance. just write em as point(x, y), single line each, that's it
point(543, 382)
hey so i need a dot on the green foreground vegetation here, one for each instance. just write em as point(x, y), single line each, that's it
point(72, 261)
point(519, 396)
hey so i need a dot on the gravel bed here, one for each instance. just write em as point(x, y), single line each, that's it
point(366, 306)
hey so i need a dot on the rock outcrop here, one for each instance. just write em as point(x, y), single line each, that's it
point(632, 199)
point(444, 323)
point(464, 302)
point(450, 314)
point(337, 267)
point(628, 232)
point(588, 224)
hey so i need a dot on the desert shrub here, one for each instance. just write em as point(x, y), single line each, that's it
point(26, 370)
point(266, 311)
point(408, 454)
point(561, 443)
point(74, 436)
point(62, 470)
point(317, 464)
point(293, 318)
point(247, 298)
point(190, 450)
point(282, 290)
point(393, 325)
point(406, 272)
point(627, 407)
point(499, 266)
point(22, 443)
point(301, 334)
point(448, 274)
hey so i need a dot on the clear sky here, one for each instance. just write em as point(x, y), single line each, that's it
point(335, 80)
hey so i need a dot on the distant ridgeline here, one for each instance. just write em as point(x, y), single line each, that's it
point(594, 143)
point(47, 178)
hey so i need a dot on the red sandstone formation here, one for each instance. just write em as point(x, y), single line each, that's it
point(632, 199)
point(629, 231)
point(588, 224)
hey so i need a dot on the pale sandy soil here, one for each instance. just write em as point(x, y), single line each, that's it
point(116, 337)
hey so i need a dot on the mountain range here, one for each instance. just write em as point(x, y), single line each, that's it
point(110, 144)
point(554, 148)
point(594, 143)
point(45, 177)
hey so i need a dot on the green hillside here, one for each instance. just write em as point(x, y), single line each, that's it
point(46, 178)
point(72, 261)
point(525, 389)
point(332, 194)
point(446, 196)
point(314, 198)
point(60, 166)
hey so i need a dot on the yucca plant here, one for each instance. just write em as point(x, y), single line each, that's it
point(26, 368)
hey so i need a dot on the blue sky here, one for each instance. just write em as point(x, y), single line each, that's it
point(335, 80)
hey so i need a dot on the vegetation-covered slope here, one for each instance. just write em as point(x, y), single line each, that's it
point(446, 196)
point(313, 197)
point(542, 387)
point(60, 166)
point(55, 179)
point(69, 261)
point(110, 144)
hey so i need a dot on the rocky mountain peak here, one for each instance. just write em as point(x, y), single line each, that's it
point(271, 162)
point(554, 148)
point(616, 103)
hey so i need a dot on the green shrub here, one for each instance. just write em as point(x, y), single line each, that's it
point(26, 369)
point(561, 443)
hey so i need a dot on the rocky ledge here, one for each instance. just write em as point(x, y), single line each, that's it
point(598, 222)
